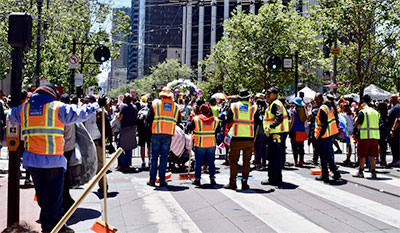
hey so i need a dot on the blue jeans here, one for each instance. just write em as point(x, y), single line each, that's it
point(209, 155)
point(49, 185)
point(160, 144)
point(125, 159)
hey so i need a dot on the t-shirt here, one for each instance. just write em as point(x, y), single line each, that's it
point(393, 114)
point(129, 115)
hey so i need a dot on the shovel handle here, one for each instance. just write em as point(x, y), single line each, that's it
point(92, 183)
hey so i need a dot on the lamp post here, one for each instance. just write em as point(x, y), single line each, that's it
point(38, 40)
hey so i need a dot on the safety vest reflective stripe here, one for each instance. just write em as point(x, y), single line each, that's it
point(370, 127)
point(164, 119)
point(43, 132)
point(269, 118)
point(332, 128)
point(204, 134)
point(243, 122)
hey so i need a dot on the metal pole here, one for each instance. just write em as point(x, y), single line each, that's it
point(38, 40)
point(72, 83)
point(226, 12)
point(213, 24)
point(13, 161)
point(189, 36)
point(239, 5)
point(296, 72)
point(183, 58)
point(201, 41)
point(253, 7)
point(79, 88)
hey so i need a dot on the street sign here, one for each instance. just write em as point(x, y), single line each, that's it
point(335, 51)
point(78, 80)
point(133, 93)
point(73, 61)
point(287, 63)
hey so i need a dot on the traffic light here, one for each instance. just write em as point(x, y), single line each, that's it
point(102, 54)
point(154, 87)
point(274, 63)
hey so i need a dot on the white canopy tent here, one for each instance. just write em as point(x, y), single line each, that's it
point(353, 96)
point(376, 93)
point(309, 94)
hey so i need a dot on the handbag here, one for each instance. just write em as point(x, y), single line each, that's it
point(127, 138)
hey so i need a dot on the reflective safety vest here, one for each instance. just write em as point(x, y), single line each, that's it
point(243, 119)
point(215, 110)
point(370, 127)
point(204, 133)
point(42, 129)
point(270, 117)
point(165, 116)
point(332, 125)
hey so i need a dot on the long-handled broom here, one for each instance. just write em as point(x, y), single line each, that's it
point(92, 183)
point(99, 226)
point(188, 175)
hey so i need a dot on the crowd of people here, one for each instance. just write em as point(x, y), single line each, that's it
point(256, 125)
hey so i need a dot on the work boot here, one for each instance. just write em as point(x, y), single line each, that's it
point(322, 178)
point(231, 185)
point(336, 176)
point(373, 174)
point(245, 186)
point(152, 184)
point(213, 182)
point(196, 182)
point(359, 174)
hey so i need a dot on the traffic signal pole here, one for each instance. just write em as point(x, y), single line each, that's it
point(13, 161)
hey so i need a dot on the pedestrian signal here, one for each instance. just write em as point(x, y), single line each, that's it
point(102, 54)
point(274, 63)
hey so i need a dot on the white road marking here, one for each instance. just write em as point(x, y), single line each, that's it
point(163, 210)
point(357, 203)
point(276, 216)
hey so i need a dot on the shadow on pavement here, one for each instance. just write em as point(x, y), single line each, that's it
point(290, 169)
point(337, 182)
point(26, 186)
point(256, 191)
point(100, 195)
point(83, 214)
point(380, 178)
point(172, 188)
point(285, 185)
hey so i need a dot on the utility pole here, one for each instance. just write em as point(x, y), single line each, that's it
point(183, 53)
point(213, 38)
point(189, 35)
point(201, 40)
point(38, 40)
point(334, 81)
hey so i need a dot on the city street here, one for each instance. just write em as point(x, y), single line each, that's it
point(300, 205)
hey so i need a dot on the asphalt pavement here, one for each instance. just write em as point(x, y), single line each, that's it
point(301, 204)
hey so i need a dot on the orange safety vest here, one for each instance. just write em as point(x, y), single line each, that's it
point(42, 129)
point(332, 126)
point(165, 116)
point(243, 119)
point(204, 134)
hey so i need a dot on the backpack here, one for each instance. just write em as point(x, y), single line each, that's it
point(142, 116)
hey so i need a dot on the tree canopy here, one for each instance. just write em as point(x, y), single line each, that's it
point(62, 21)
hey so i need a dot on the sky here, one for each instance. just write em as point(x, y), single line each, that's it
point(115, 4)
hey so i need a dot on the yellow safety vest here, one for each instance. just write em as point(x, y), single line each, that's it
point(370, 127)
point(165, 116)
point(269, 118)
point(42, 129)
point(204, 134)
point(243, 119)
point(215, 110)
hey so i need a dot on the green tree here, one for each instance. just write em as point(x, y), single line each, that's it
point(160, 76)
point(63, 20)
point(368, 33)
point(240, 58)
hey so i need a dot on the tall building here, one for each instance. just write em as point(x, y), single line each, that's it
point(119, 67)
point(156, 35)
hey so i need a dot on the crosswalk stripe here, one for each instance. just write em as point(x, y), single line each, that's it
point(163, 210)
point(271, 213)
point(357, 203)
point(390, 180)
